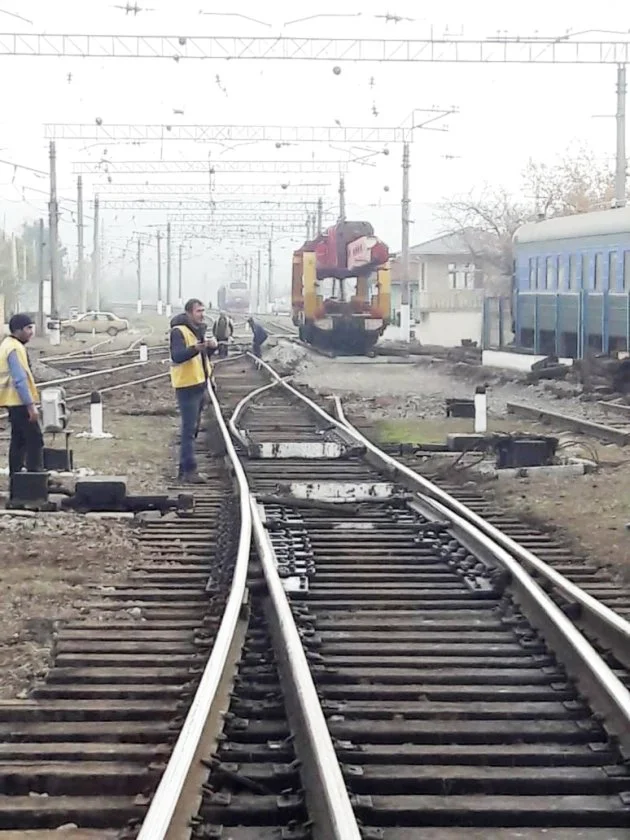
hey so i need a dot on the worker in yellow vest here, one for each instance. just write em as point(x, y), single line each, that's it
point(18, 394)
point(190, 373)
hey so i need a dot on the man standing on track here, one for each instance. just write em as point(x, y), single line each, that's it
point(259, 336)
point(18, 394)
point(190, 373)
point(223, 330)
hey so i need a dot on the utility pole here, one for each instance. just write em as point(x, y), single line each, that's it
point(139, 276)
point(169, 306)
point(270, 275)
point(159, 273)
point(621, 163)
point(81, 248)
point(96, 255)
point(41, 276)
point(320, 214)
point(258, 281)
point(342, 199)
point(405, 315)
point(53, 225)
point(180, 295)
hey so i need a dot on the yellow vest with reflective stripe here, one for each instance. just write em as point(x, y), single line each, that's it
point(192, 372)
point(8, 393)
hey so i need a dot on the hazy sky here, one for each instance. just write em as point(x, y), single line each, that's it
point(505, 113)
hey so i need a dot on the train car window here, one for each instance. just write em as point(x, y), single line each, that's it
point(599, 272)
point(626, 271)
point(540, 274)
point(612, 271)
point(561, 274)
point(551, 273)
point(532, 272)
point(573, 264)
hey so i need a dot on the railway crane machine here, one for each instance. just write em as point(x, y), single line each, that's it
point(341, 289)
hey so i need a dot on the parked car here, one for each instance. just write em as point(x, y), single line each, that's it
point(99, 322)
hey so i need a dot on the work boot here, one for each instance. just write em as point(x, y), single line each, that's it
point(193, 478)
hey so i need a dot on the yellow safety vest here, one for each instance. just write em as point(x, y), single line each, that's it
point(192, 372)
point(8, 393)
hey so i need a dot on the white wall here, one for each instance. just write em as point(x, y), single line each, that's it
point(449, 328)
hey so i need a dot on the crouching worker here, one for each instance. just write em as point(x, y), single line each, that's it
point(259, 336)
point(190, 373)
point(18, 394)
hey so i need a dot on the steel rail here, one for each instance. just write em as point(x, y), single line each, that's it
point(92, 374)
point(607, 689)
point(608, 624)
point(236, 432)
point(108, 388)
point(607, 694)
point(322, 773)
point(88, 355)
point(164, 803)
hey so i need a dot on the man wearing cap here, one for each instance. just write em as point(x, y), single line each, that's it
point(18, 394)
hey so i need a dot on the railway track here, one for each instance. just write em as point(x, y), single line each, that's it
point(393, 673)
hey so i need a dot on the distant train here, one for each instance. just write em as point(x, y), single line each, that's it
point(234, 297)
point(341, 289)
point(571, 286)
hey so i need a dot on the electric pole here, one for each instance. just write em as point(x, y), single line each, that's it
point(169, 307)
point(96, 256)
point(405, 315)
point(139, 275)
point(159, 273)
point(320, 214)
point(81, 248)
point(342, 199)
point(41, 272)
point(270, 275)
point(53, 225)
point(621, 163)
point(258, 281)
point(180, 296)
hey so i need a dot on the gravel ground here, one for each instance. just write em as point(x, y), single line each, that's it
point(51, 563)
point(405, 402)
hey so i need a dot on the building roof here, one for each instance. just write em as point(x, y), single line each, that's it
point(597, 223)
point(452, 244)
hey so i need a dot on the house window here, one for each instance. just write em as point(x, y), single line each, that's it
point(461, 276)
point(423, 277)
point(599, 272)
point(612, 271)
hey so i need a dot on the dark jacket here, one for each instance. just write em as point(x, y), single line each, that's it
point(179, 352)
point(259, 333)
point(222, 328)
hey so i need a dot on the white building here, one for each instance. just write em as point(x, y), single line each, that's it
point(447, 287)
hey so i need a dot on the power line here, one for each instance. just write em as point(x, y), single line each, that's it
point(448, 49)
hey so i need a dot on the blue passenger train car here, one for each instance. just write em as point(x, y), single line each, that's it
point(571, 285)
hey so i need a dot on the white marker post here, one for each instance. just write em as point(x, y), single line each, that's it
point(144, 352)
point(481, 410)
point(96, 415)
point(54, 332)
point(139, 307)
point(169, 310)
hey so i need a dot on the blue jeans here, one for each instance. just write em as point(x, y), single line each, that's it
point(190, 403)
